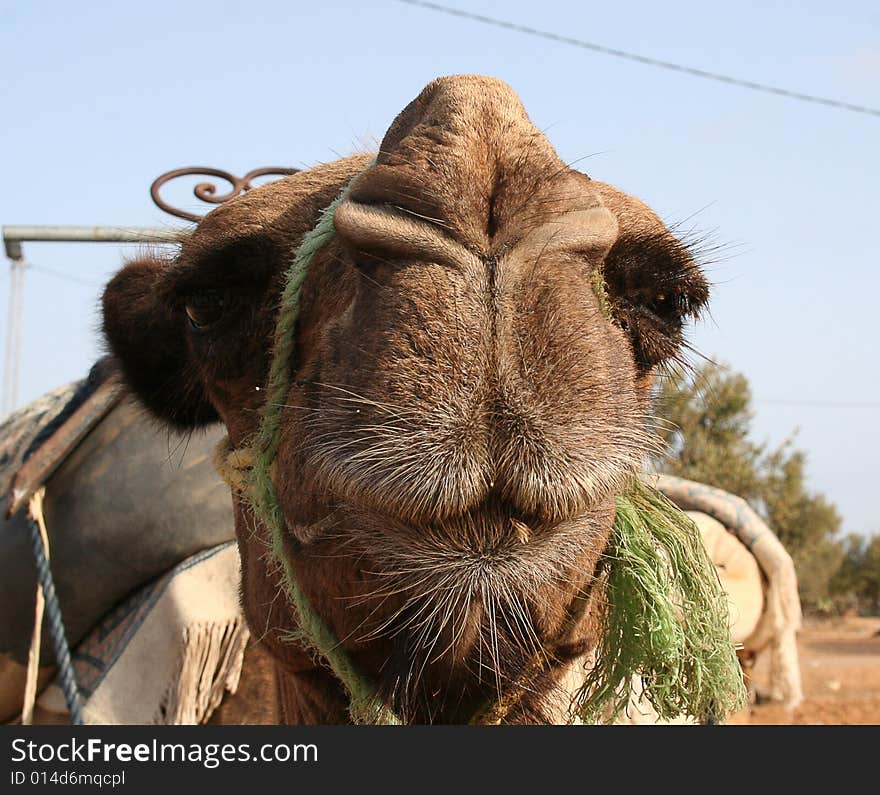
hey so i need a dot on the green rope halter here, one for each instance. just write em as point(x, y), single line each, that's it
point(666, 616)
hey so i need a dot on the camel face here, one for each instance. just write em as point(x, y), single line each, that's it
point(468, 389)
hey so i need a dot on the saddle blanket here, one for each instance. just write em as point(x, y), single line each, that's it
point(167, 654)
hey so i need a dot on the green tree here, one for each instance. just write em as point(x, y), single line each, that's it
point(705, 421)
point(805, 522)
point(870, 591)
point(856, 584)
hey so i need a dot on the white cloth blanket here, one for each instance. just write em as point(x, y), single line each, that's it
point(169, 653)
point(777, 629)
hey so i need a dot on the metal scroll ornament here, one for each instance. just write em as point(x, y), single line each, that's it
point(207, 191)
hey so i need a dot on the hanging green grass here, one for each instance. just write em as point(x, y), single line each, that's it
point(665, 620)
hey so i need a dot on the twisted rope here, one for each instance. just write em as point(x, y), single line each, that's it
point(53, 613)
point(313, 632)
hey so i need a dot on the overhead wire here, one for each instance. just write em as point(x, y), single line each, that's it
point(643, 59)
point(65, 276)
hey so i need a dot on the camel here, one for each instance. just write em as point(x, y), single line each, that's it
point(431, 414)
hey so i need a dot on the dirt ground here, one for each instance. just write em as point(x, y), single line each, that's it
point(840, 669)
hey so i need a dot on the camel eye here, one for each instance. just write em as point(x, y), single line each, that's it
point(668, 305)
point(204, 308)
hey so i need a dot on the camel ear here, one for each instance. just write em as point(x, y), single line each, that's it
point(148, 339)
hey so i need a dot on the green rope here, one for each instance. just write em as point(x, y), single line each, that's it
point(313, 632)
point(658, 572)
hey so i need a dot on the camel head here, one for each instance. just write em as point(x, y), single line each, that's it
point(468, 389)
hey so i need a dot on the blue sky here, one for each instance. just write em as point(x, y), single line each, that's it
point(99, 98)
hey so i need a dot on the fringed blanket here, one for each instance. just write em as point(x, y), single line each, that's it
point(781, 619)
point(169, 653)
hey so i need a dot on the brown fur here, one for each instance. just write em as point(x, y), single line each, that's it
point(461, 412)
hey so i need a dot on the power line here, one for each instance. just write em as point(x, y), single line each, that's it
point(631, 56)
point(65, 276)
point(835, 404)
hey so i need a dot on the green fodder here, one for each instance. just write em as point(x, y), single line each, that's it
point(665, 620)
